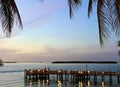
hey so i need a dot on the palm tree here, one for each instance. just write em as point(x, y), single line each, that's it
point(108, 14)
point(9, 15)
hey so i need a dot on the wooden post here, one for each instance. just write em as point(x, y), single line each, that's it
point(83, 75)
point(88, 75)
point(65, 74)
point(110, 77)
point(74, 73)
point(71, 74)
point(25, 74)
point(103, 78)
point(25, 77)
point(57, 75)
point(118, 77)
point(48, 75)
point(95, 78)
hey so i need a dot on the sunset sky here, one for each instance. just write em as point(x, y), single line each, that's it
point(49, 34)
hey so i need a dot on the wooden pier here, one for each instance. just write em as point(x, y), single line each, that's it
point(74, 76)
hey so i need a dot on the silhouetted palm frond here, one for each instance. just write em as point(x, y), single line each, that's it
point(8, 15)
point(90, 7)
point(73, 4)
point(108, 14)
point(117, 17)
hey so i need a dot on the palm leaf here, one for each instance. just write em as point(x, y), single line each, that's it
point(90, 7)
point(8, 14)
point(73, 4)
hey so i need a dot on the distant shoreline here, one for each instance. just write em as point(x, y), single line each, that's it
point(69, 62)
point(10, 62)
point(102, 62)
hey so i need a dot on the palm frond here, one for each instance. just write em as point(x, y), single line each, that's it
point(104, 20)
point(116, 19)
point(16, 13)
point(8, 14)
point(73, 4)
point(90, 7)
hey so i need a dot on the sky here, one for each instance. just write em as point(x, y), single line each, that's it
point(49, 34)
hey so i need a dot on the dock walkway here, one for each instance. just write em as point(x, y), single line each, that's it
point(74, 76)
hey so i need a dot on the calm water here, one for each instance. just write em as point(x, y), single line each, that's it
point(12, 74)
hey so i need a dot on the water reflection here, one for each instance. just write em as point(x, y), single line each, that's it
point(59, 83)
point(30, 83)
point(68, 83)
point(103, 84)
point(39, 83)
point(80, 84)
point(88, 83)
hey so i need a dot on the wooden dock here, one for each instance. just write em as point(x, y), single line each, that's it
point(74, 76)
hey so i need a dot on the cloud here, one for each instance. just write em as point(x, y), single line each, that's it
point(58, 54)
point(8, 54)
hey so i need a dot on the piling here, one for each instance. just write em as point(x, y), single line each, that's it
point(110, 77)
point(118, 77)
point(95, 78)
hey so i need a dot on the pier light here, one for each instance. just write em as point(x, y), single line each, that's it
point(39, 70)
point(31, 71)
point(47, 80)
point(68, 72)
point(95, 73)
point(88, 72)
point(118, 73)
point(46, 70)
point(103, 72)
point(80, 72)
point(59, 71)
point(43, 70)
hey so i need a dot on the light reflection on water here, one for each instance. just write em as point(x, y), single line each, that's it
point(60, 83)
